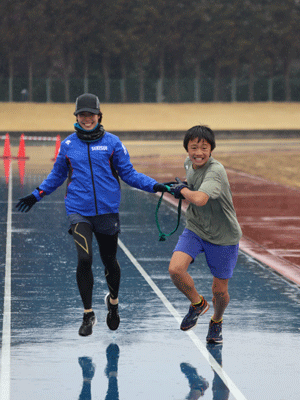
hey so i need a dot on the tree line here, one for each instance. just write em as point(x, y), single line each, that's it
point(161, 39)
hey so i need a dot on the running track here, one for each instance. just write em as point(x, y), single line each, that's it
point(42, 355)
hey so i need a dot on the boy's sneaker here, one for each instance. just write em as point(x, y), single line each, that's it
point(191, 318)
point(112, 319)
point(89, 320)
point(214, 333)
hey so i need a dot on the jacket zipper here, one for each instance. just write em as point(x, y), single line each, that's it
point(94, 189)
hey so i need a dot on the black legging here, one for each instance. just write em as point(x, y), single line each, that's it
point(108, 244)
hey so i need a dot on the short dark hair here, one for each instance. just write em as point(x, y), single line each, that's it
point(200, 132)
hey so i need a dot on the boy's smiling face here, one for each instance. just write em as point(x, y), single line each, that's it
point(199, 152)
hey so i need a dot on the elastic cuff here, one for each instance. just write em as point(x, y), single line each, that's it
point(38, 194)
point(217, 322)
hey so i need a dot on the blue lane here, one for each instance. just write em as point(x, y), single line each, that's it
point(148, 357)
point(261, 324)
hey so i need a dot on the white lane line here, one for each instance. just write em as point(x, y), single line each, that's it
point(213, 363)
point(6, 328)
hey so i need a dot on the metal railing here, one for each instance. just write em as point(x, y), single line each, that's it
point(152, 90)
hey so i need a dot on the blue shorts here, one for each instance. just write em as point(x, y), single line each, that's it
point(220, 259)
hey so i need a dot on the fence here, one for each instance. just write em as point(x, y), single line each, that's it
point(169, 91)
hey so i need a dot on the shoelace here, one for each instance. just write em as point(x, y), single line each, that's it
point(216, 327)
point(113, 310)
point(87, 318)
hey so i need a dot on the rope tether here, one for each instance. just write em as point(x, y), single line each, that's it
point(163, 236)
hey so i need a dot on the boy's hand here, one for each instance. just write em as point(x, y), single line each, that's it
point(174, 183)
point(170, 183)
point(177, 187)
point(25, 203)
point(160, 187)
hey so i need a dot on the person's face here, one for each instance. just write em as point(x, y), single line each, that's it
point(199, 152)
point(87, 120)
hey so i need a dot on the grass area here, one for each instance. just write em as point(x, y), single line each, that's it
point(278, 167)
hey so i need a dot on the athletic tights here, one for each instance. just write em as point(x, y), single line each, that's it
point(108, 244)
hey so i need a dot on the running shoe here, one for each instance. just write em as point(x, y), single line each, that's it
point(89, 320)
point(112, 319)
point(214, 333)
point(191, 318)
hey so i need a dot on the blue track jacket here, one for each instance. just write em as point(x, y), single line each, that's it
point(93, 171)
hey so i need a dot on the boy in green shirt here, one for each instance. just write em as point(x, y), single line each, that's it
point(212, 228)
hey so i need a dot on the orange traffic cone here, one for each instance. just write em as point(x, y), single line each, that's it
point(6, 153)
point(57, 147)
point(21, 153)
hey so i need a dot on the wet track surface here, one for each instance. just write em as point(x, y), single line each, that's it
point(148, 357)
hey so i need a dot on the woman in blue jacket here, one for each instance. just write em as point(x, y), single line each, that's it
point(92, 160)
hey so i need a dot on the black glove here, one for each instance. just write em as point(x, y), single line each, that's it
point(170, 183)
point(160, 187)
point(177, 187)
point(174, 183)
point(25, 203)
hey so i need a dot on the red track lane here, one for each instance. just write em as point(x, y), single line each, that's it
point(269, 215)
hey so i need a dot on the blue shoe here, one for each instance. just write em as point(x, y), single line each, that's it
point(88, 368)
point(112, 355)
point(191, 318)
point(214, 333)
point(196, 382)
point(215, 351)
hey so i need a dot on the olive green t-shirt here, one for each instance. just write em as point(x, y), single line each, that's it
point(216, 222)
